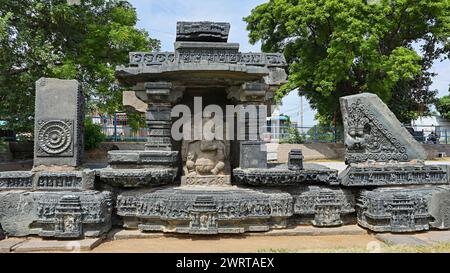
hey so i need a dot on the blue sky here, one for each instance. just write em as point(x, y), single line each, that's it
point(159, 18)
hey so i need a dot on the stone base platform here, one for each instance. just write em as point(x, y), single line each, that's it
point(204, 210)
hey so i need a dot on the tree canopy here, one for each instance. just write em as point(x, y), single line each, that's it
point(336, 48)
point(54, 38)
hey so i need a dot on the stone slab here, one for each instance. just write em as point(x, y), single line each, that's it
point(39, 245)
point(370, 127)
point(58, 122)
point(7, 245)
point(404, 239)
point(125, 234)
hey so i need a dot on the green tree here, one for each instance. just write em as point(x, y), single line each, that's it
point(443, 106)
point(53, 38)
point(336, 48)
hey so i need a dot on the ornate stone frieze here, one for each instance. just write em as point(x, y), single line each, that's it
point(142, 159)
point(202, 31)
point(212, 55)
point(221, 210)
point(322, 205)
point(373, 133)
point(16, 180)
point(394, 174)
point(284, 177)
point(395, 209)
point(138, 177)
point(64, 214)
point(47, 180)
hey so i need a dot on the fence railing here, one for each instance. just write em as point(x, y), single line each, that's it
point(115, 129)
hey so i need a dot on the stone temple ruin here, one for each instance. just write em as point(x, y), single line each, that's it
point(219, 185)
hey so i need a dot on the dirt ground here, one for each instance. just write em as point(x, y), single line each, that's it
point(351, 243)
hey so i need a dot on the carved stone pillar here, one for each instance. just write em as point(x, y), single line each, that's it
point(251, 149)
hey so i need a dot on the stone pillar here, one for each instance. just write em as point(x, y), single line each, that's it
point(58, 123)
point(251, 151)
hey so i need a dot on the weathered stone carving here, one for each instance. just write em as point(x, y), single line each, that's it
point(202, 31)
point(439, 208)
point(322, 206)
point(55, 137)
point(372, 132)
point(58, 126)
point(151, 58)
point(205, 162)
point(394, 174)
point(47, 180)
point(63, 214)
point(134, 159)
point(203, 210)
point(16, 180)
point(395, 209)
point(138, 177)
point(295, 160)
point(311, 174)
point(212, 55)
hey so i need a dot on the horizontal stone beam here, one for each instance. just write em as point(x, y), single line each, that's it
point(209, 56)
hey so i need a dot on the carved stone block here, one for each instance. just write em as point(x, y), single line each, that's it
point(143, 177)
point(252, 154)
point(282, 176)
point(322, 206)
point(206, 180)
point(395, 209)
point(201, 210)
point(295, 160)
point(372, 132)
point(394, 174)
point(202, 31)
point(64, 214)
point(439, 208)
point(59, 122)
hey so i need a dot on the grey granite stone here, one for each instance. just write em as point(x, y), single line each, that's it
point(55, 214)
point(322, 205)
point(202, 31)
point(150, 158)
point(282, 176)
point(204, 210)
point(295, 160)
point(58, 122)
point(252, 155)
point(372, 132)
point(395, 209)
point(394, 174)
point(48, 180)
point(142, 177)
point(439, 208)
